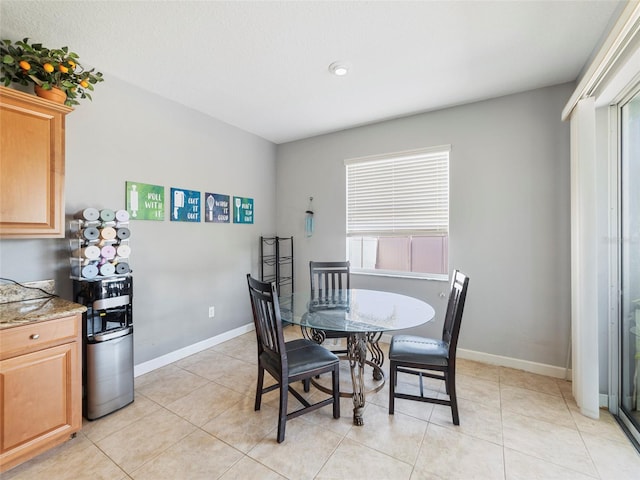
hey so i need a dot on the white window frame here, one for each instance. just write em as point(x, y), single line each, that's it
point(385, 213)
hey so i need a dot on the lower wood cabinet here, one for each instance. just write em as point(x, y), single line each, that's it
point(40, 387)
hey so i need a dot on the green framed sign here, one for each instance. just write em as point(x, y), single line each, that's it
point(144, 201)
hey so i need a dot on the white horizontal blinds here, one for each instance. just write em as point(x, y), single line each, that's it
point(404, 193)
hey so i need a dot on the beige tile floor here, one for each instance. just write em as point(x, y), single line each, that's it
point(194, 419)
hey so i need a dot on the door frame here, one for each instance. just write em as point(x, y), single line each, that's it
point(615, 264)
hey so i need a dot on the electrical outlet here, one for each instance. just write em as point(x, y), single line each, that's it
point(212, 312)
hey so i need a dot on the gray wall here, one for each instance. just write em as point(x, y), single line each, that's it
point(509, 215)
point(180, 269)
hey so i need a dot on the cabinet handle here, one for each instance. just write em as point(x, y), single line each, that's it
point(35, 336)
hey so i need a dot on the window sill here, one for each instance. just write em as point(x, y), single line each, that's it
point(409, 275)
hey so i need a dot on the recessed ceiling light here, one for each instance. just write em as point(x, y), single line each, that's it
point(339, 68)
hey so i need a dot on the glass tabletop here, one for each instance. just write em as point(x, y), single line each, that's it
point(355, 310)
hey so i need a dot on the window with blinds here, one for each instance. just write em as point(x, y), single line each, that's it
point(398, 212)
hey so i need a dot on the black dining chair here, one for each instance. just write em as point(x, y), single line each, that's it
point(428, 357)
point(329, 282)
point(287, 362)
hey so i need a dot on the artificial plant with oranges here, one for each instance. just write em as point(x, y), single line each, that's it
point(26, 63)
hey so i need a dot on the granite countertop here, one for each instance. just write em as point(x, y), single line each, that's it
point(20, 305)
point(36, 310)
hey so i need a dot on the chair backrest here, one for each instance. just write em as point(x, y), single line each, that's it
point(453, 317)
point(267, 321)
point(327, 278)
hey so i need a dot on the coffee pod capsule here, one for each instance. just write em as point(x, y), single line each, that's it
point(108, 252)
point(90, 271)
point(122, 268)
point(107, 215)
point(123, 251)
point(90, 233)
point(122, 216)
point(88, 214)
point(92, 252)
point(108, 233)
point(123, 233)
point(107, 269)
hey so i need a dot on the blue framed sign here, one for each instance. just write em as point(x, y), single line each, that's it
point(185, 205)
point(216, 208)
point(242, 210)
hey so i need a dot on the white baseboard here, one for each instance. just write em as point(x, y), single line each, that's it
point(176, 355)
point(526, 365)
point(604, 400)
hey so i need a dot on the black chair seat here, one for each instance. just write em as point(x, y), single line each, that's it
point(413, 349)
point(302, 356)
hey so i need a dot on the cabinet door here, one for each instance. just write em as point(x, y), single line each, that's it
point(31, 166)
point(40, 403)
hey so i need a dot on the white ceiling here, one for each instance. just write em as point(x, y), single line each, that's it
point(263, 66)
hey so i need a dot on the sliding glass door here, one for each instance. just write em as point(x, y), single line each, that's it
point(629, 248)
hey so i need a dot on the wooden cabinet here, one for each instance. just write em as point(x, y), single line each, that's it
point(40, 387)
point(32, 138)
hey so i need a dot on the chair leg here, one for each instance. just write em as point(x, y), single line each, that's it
point(259, 388)
point(282, 416)
point(392, 386)
point(306, 385)
point(336, 392)
point(451, 388)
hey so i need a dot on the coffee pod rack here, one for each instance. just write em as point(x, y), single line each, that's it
point(99, 244)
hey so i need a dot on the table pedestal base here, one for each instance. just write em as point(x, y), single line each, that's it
point(357, 352)
point(357, 346)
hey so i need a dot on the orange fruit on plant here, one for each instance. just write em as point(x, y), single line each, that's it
point(72, 64)
point(48, 67)
point(24, 65)
point(84, 84)
point(63, 69)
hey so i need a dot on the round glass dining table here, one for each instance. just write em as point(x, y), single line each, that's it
point(364, 315)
